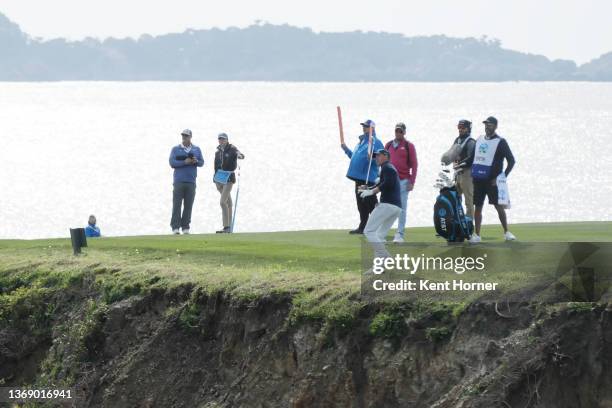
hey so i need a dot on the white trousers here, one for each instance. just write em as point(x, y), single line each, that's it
point(380, 222)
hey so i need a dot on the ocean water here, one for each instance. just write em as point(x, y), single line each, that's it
point(70, 149)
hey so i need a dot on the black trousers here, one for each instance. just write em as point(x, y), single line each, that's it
point(364, 205)
point(182, 196)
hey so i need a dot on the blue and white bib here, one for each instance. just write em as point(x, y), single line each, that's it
point(483, 157)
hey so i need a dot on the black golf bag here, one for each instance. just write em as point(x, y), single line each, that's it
point(449, 218)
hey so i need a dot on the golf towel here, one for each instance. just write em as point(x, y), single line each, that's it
point(222, 176)
point(454, 152)
point(503, 197)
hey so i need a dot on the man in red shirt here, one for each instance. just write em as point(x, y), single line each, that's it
point(404, 159)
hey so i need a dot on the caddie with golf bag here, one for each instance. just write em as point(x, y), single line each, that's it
point(461, 155)
point(450, 220)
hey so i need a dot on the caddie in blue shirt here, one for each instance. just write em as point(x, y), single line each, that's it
point(92, 230)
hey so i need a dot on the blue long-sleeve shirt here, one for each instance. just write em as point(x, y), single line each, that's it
point(185, 173)
point(92, 231)
point(358, 167)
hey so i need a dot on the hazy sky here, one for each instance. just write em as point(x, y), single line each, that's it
point(571, 29)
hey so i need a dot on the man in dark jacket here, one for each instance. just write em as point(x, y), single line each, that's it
point(463, 165)
point(226, 159)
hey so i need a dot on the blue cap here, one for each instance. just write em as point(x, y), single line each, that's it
point(368, 123)
point(382, 151)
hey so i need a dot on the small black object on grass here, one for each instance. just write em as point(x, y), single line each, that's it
point(78, 238)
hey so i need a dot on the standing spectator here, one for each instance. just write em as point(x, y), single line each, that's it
point(226, 160)
point(185, 160)
point(360, 169)
point(92, 230)
point(490, 152)
point(404, 159)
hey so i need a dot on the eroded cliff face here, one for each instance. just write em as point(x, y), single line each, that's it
point(181, 348)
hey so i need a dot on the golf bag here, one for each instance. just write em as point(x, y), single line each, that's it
point(449, 218)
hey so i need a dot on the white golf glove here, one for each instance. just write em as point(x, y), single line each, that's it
point(366, 193)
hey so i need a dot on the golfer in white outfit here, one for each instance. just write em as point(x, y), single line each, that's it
point(388, 210)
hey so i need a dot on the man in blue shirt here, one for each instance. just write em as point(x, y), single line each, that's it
point(363, 172)
point(185, 160)
point(92, 230)
point(388, 210)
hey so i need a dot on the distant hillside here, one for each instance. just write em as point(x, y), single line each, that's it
point(280, 53)
point(599, 69)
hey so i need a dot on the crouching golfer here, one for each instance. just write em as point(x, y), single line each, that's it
point(388, 210)
point(226, 162)
point(185, 160)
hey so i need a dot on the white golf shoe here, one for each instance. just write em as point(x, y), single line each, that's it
point(398, 239)
point(508, 236)
point(475, 239)
point(186, 231)
point(176, 231)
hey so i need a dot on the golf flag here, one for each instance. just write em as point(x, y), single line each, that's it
point(370, 150)
point(340, 125)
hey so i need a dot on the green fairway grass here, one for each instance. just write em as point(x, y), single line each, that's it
point(320, 270)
